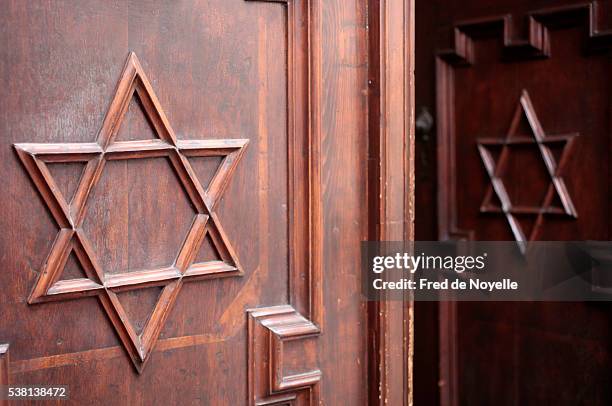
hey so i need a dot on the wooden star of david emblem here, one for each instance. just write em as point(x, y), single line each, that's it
point(69, 213)
point(556, 188)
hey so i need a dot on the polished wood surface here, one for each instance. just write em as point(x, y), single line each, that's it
point(70, 216)
point(520, 95)
point(232, 151)
point(391, 171)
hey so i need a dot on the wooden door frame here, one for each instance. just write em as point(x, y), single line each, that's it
point(391, 188)
point(390, 35)
point(390, 91)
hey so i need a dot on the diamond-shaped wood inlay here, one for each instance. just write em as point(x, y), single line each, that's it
point(554, 168)
point(69, 213)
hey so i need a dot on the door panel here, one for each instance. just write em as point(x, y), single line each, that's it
point(204, 66)
point(508, 72)
point(186, 187)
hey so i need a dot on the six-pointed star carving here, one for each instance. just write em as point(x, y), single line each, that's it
point(554, 169)
point(69, 214)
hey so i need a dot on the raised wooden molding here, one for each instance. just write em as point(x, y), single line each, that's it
point(497, 186)
point(303, 129)
point(537, 43)
point(305, 213)
point(69, 213)
point(460, 54)
point(269, 330)
point(391, 189)
point(392, 141)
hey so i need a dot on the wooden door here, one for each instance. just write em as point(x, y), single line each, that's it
point(185, 188)
point(508, 81)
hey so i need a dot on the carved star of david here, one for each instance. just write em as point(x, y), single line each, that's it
point(556, 187)
point(69, 213)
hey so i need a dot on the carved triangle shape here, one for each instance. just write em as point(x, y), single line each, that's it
point(67, 271)
point(139, 305)
point(136, 124)
point(492, 203)
point(527, 224)
point(556, 205)
point(208, 251)
point(214, 253)
point(230, 152)
point(140, 340)
point(73, 269)
point(66, 176)
point(135, 84)
point(206, 167)
point(65, 198)
point(521, 127)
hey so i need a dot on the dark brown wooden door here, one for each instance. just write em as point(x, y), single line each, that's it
point(185, 186)
point(501, 77)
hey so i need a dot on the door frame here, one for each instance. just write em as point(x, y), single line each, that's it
point(391, 188)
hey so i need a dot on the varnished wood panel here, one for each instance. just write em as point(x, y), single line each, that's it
point(291, 77)
point(69, 213)
point(390, 192)
point(479, 60)
point(204, 62)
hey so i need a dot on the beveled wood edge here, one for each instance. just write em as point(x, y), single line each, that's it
point(536, 44)
point(141, 278)
point(269, 328)
point(391, 189)
point(282, 382)
point(223, 147)
point(59, 149)
point(284, 399)
point(305, 181)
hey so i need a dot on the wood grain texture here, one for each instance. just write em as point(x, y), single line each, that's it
point(289, 76)
point(69, 214)
point(484, 62)
point(391, 187)
point(495, 168)
point(305, 267)
point(269, 330)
